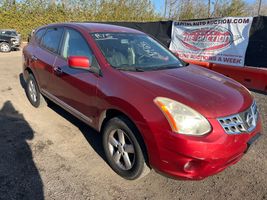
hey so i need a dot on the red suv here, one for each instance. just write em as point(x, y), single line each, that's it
point(152, 109)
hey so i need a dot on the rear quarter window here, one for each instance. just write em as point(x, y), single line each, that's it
point(39, 34)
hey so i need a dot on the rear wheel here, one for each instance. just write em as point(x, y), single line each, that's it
point(33, 93)
point(122, 149)
point(5, 47)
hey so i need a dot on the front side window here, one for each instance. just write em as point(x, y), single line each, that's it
point(51, 39)
point(75, 45)
point(128, 51)
point(12, 33)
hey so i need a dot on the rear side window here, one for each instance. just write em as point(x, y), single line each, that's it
point(51, 39)
point(39, 34)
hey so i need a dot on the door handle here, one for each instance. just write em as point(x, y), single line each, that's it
point(34, 58)
point(58, 70)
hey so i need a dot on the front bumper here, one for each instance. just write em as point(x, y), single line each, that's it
point(15, 44)
point(187, 157)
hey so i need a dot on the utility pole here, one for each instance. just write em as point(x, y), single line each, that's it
point(259, 8)
point(165, 9)
point(208, 8)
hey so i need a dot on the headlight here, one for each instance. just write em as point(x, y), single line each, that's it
point(13, 40)
point(182, 118)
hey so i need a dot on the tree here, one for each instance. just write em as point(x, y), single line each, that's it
point(194, 9)
point(186, 9)
point(252, 9)
point(229, 8)
point(26, 15)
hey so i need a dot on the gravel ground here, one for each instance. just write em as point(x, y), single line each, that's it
point(48, 154)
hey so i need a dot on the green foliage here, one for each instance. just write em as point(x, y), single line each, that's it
point(26, 15)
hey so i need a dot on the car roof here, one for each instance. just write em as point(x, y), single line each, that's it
point(97, 27)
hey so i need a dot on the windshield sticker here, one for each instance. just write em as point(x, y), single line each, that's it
point(151, 52)
point(124, 41)
point(104, 36)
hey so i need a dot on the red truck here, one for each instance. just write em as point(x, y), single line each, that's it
point(254, 78)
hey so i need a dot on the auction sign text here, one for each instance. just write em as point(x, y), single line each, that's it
point(222, 41)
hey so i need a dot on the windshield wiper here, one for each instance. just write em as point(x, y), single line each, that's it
point(130, 68)
point(139, 69)
point(164, 67)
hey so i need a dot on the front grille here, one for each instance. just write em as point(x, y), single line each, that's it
point(243, 122)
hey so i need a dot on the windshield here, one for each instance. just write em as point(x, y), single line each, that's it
point(9, 33)
point(12, 33)
point(139, 52)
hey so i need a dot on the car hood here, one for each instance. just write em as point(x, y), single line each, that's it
point(210, 93)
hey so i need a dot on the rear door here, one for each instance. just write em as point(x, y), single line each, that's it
point(44, 55)
point(75, 88)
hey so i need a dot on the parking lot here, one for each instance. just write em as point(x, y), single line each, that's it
point(48, 154)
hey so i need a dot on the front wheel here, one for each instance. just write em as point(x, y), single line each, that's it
point(5, 47)
point(122, 149)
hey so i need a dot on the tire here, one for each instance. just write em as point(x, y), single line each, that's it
point(122, 149)
point(33, 93)
point(5, 47)
point(16, 49)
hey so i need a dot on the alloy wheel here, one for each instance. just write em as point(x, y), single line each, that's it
point(121, 149)
point(32, 91)
point(5, 47)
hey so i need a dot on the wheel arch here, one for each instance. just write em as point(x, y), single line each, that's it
point(2, 40)
point(27, 71)
point(110, 113)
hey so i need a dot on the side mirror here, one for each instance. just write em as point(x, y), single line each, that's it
point(80, 62)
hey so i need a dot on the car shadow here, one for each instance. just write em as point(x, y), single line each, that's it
point(22, 81)
point(19, 177)
point(91, 135)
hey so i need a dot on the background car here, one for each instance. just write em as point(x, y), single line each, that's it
point(9, 40)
